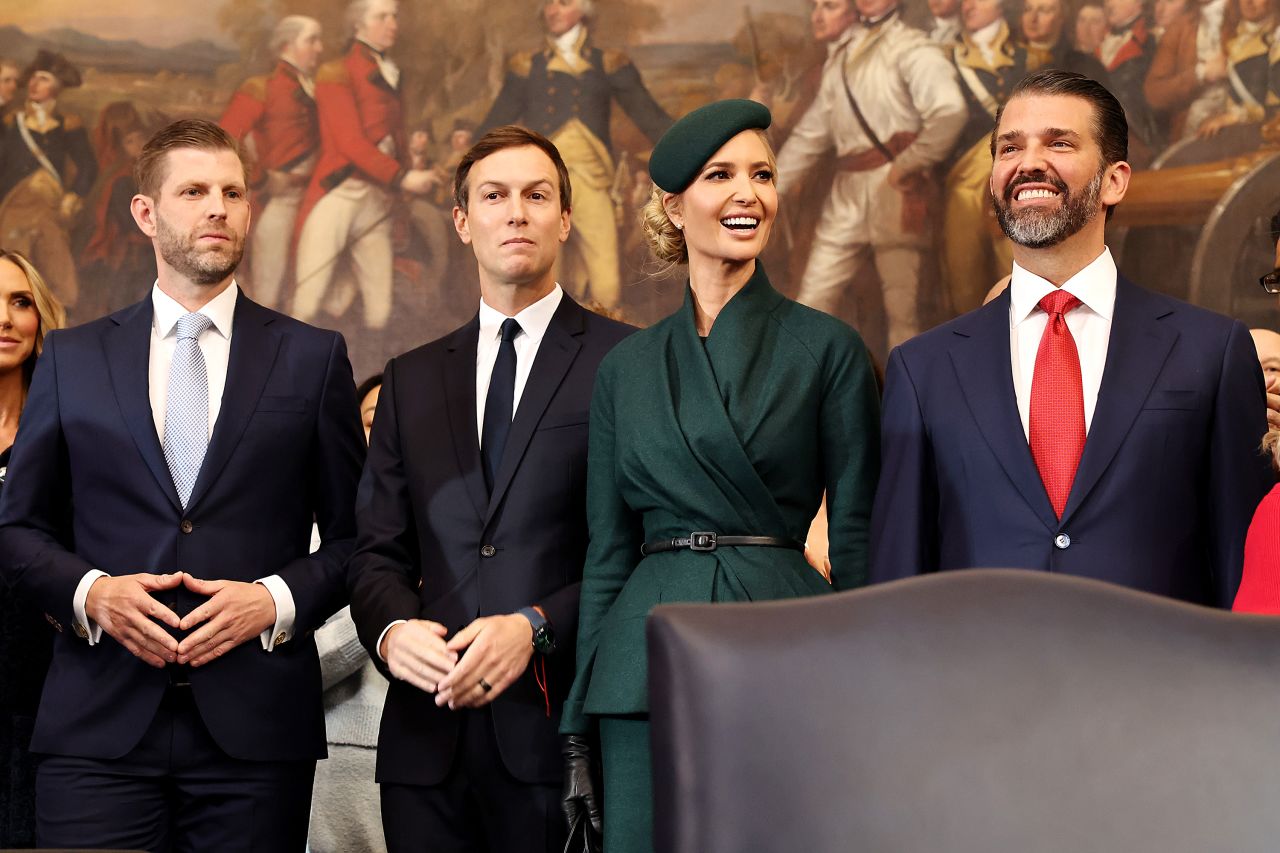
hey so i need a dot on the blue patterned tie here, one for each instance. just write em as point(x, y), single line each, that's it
point(499, 403)
point(186, 414)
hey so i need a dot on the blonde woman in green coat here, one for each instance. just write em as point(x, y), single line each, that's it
point(731, 417)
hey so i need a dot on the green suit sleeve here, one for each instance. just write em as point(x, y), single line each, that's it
point(850, 435)
point(614, 550)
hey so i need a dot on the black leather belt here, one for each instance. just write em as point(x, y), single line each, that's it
point(707, 541)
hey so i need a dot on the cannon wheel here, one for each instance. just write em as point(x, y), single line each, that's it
point(1163, 258)
point(1234, 247)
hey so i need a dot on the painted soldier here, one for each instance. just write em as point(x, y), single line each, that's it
point(1126, 53)
point(989, 63)
point(347, 207)
point(1188, 80)
point(1248, 37)
point(565, 92)
point(890, 109)
point(118, 259)
point(279, 110)
point(46, 168)
point(9, 73)
point(1044, 27)
point(944, 21)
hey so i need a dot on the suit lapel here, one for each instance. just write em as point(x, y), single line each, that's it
point(984, 372)
point(460, 401)
point(253, 354)
point(128, 353)
point(1136, 351)
point(556, 353)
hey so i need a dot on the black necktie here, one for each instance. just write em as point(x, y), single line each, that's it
point(498, 408)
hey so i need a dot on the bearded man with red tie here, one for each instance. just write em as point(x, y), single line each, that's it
point(1077, 423)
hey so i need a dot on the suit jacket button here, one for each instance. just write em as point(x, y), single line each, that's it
point(488, 551)
point(1062, 541)
point(186, 526)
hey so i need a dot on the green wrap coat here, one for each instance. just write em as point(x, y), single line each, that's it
point(739, 434)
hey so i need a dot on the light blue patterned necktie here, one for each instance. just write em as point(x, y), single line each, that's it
point(186, 414)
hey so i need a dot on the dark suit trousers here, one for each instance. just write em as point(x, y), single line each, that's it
point(175, 792)
point(478, 807)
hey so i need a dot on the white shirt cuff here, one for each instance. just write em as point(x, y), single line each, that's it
point(286, 612)
point(383, 636)
point(93, 630)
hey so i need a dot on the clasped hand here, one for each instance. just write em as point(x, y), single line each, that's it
point(492, 650)
point(125, 608)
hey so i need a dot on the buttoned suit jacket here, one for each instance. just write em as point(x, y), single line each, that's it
point(434, 544)
point(88, 487)
point(1167, 483)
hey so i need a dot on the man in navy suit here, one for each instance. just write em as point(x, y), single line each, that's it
point(170, 462)
point(472, 525)
point(1077, 423)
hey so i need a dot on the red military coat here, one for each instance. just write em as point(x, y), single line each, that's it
point(279, 113)
point(358, 108)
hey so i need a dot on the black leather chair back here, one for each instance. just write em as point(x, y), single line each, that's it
point(966, 712)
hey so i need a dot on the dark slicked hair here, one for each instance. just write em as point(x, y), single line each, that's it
point(1110, 127)
point(150, 169)
point(498, 139)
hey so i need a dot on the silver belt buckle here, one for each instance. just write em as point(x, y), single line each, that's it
point(702, 541)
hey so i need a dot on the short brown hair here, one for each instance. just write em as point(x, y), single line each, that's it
point(498, 139)
point(149, 171)
point(48, 309)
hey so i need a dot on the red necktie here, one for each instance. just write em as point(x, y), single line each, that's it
point(1057, 403)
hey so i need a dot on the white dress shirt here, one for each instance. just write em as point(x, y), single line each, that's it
point(533, 326)
point(215, 345)
point(1090, 325)
point(533, 321)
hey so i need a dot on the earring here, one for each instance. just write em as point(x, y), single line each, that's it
point(679, 225)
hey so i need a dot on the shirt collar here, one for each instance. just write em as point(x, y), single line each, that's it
point(1094, 286)
point(1213, 11)
point(845, 37)
point(987, 36)
point(567, 42)
point(533, 320)
point(220, 309)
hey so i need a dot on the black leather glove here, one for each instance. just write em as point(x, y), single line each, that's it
point(580, 799)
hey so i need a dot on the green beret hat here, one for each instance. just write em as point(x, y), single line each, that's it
point(690, 142)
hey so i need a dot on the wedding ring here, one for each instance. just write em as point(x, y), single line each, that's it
point(485, 686)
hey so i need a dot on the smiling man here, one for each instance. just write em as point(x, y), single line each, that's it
point(1077, 423)
point(472, 525)
point(171, 460)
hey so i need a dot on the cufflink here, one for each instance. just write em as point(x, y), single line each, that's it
point(81, 631)
point(280, 638)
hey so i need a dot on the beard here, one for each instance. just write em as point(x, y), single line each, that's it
point(1039, 229)
point(200, 265)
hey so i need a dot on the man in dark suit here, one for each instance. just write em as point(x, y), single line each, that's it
point(171, 460)
point(472, 525)
point(1076, 423)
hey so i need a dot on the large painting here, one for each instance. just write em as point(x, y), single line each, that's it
point(352, 199)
